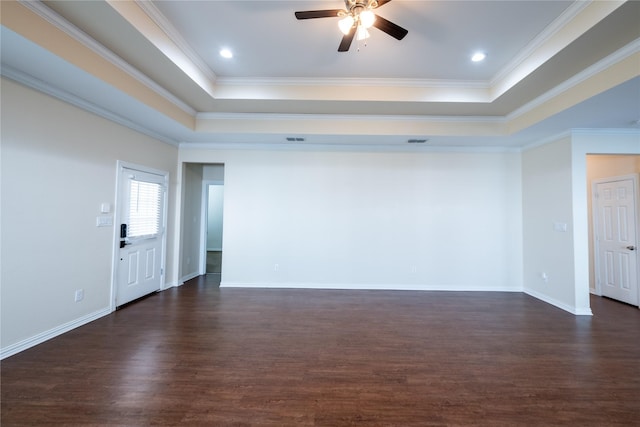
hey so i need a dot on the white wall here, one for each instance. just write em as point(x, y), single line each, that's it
point(213, 173)
point(555, 188)
point(370, 220)
point(547, 200)
point(604, 166)
point(412, 220)
point(584, 143)
point(192, 222)
point(58, 166)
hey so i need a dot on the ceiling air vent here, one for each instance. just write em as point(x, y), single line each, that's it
point(295, 139)
point(417, 141)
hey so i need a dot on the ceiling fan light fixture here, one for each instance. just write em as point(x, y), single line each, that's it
point(355, 19)
point(345, 24)
point(367, 18)
point(362, 33)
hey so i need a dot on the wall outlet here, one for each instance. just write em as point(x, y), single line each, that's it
point(79, 296)
point(544, 277)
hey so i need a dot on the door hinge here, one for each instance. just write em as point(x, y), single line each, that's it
point(161, 271)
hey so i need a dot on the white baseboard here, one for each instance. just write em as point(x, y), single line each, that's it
point(406, 287)
point(169, 285)
point(571, 309)
point(189, 277)
point(377, 286)
point(51, 333)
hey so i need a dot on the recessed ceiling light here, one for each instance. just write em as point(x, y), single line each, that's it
point(478, 56)
point(226, 53)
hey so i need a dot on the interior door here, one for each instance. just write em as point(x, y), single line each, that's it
point(616, 239)
point(142, 212)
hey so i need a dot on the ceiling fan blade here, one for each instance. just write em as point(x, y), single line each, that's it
point(311, 14)
point(390, 28)
point(383, 2)
point(345, 44)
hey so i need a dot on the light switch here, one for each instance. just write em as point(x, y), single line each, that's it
point(105, 208)
point(560, 226)
point(104, 221)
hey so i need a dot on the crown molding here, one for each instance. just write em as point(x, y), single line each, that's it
point(348, 117)
point(579, 131)
point(548, 140)
point(601, 131)
point(337, 147)
point(352, 82)
point(62, 95)
point(558, 24)
point(137, 15)
point(161, 21)
point(600, 66)
point(569, 26)
point(77, 34)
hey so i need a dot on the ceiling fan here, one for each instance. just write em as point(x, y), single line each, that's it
point(356, 19)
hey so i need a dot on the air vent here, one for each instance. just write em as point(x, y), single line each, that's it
point(417, 141)
point(295, 139)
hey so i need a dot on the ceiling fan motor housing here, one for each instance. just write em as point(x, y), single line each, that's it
point(357, 7)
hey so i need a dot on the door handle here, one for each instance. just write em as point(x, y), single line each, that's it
point(631, 248)
point(123, 244)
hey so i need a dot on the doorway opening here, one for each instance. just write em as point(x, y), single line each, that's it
point(212, 214)
point(214, 218)
point(614, 206)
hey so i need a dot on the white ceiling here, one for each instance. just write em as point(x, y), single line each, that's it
point(551, 66)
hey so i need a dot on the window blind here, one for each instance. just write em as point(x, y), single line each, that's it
point(144, 209)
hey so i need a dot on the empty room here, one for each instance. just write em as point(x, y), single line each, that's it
point(411, 213)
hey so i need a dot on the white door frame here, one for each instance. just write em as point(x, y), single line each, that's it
point(202, 267)
point(596, 222)
point(120, 166)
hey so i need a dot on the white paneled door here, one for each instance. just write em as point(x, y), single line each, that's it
point(616, 238)
point(140, 253)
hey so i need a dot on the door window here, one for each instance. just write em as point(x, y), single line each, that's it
point(145, 199)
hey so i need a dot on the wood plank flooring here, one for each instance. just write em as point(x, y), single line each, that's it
point(200, 355)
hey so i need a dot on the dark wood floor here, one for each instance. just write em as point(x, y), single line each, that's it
point(198, 355)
